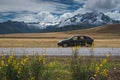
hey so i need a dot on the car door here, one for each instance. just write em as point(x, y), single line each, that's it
point(74, 41)
point(81, 40)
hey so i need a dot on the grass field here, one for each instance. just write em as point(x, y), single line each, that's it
point(104, 36)
point(52, 42)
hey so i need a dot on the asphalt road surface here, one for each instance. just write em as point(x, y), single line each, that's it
point(60, 51)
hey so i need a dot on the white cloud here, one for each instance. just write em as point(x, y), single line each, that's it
point(80, 1)
point(42, 17)
point(44, 8)
point(47, 17)
point(25, 18)
point(65, 16)
point(102, 5)
point(114, 15)
point(29, 5)
point(81, 11)
point(1, 20)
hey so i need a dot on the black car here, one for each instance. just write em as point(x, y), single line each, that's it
point(76, 41)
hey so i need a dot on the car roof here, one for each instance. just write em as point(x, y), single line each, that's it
point(82, 36)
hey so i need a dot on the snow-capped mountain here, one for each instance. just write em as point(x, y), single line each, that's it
point(88, 19)
point(46, 22)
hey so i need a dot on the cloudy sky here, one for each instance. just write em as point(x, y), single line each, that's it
point(51, 10)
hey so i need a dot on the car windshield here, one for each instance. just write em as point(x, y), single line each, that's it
point(71, 37)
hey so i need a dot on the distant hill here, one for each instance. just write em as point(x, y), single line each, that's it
point(16, 27)
point(112, 29)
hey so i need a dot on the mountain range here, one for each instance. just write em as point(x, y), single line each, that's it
point(75, 22)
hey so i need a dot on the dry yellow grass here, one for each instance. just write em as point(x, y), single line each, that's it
point(52, 42)
point(107, 43)
point(105, 36)
point(28, 42)
point(53, 35)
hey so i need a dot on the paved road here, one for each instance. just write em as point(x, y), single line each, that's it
point(61, 51)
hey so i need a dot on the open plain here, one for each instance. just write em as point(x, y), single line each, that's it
point(104, 36)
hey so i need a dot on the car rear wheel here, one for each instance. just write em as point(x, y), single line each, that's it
point(88, 44)
point(65, 45)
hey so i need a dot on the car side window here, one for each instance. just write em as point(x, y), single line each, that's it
point(81, 37)
point(87, 38)
point(75, 38)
